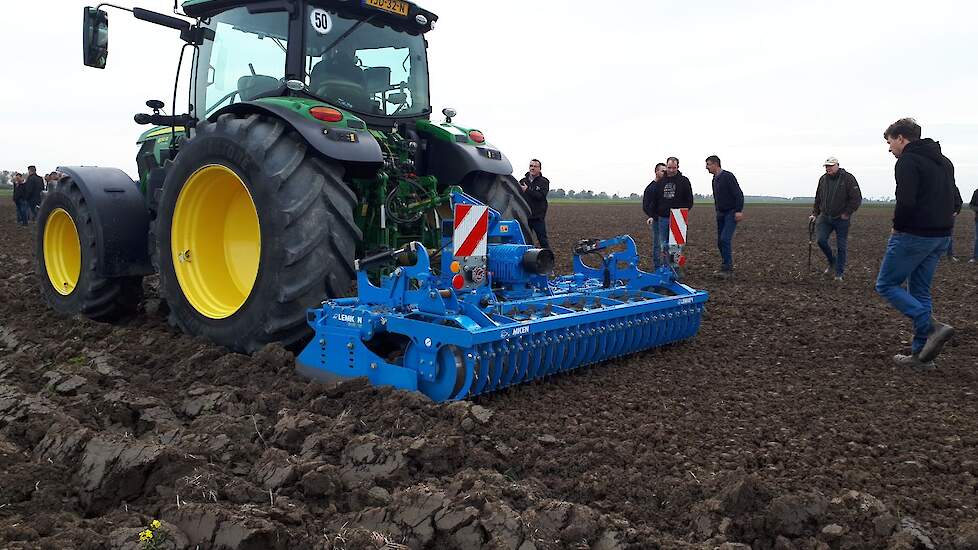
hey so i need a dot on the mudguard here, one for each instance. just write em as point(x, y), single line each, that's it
point(120, 217)
point(450, 161)
point(364, 150)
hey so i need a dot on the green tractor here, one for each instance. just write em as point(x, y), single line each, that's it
point(307, 142)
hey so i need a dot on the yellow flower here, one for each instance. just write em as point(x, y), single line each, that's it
point(146, 535)
point(156, 524)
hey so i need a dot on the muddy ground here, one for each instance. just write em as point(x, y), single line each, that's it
point(782, 425)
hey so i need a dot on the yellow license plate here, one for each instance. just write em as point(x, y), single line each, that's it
point(392, 6)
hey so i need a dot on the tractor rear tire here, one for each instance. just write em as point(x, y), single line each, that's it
point(502, 193)
point(66, 258)
point(252, 230)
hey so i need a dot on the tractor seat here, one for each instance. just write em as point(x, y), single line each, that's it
point(252, 86)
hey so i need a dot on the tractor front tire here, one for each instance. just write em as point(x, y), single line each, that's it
point(252, 230)
point(67, 257)
point(502, 193)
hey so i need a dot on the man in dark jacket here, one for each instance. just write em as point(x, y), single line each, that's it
point(836, 199)
point(674, 191)
point(535, 188)
point(35, 186)
point(20, 198)
point(974, 206)
point(922, 223)
point(728, 199)
point(648, 206)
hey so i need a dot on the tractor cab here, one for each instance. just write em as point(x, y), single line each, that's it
point(367, 58)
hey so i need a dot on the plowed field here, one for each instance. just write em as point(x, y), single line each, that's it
point(782, 425)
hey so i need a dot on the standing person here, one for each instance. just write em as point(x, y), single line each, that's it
point(958, 202)
point(836, 199)
point(674, 191)
point(535, 188)
point(35, 186)
point(20, 198)
point(974, 206)
point(728, 199)
point(648, 206)
point(922, 222)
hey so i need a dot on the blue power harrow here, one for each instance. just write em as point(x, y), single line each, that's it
point(491, 316)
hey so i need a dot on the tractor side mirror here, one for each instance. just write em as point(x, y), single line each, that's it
point(95, 37)
point(397, 98)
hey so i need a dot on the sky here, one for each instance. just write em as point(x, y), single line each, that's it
point(599, 96)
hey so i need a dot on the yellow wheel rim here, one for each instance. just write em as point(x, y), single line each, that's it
point(62, 251)
point(215, 241)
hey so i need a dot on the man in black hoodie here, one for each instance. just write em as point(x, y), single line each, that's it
point(535, 188)
point(837, 198)
point(922, 224)
point(674, 191)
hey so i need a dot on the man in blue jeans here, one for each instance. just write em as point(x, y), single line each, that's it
point(836, 199)
point(728, 200)
point(648, 206)
point(922, 224)
point(674, 191)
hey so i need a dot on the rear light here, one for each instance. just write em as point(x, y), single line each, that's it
point(477, 136)
point(326, 114)
point(458, 282)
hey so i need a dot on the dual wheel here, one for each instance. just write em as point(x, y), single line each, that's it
point(251, 230)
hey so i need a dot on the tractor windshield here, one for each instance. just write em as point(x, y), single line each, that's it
point(366, 66)
point(245, 58)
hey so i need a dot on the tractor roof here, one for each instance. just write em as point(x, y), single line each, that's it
point(206, 8)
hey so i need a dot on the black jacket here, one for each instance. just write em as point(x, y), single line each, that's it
point(536, 195)
point(20, 191)
point(846, 198)
point(34, 187)
point(648, 199)
point(727, 194)
point(672, 192)
point(974, 204)
point(925, 191)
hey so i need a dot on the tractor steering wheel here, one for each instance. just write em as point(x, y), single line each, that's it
point(347, 93)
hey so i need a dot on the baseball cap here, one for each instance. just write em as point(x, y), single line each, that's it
point(830, 161)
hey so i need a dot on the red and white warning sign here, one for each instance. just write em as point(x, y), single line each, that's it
point(470, 237)
point(677, 226)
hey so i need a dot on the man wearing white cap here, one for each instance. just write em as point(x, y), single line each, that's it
point(836, 199)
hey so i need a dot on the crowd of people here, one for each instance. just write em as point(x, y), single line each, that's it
point(927, 203)
point(28, 192)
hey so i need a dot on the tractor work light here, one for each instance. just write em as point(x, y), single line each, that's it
point(326, 114)
point(477, 136)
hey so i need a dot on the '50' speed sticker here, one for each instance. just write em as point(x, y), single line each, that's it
point(321, 21)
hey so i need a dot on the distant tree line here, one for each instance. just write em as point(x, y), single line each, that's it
point(587, 194)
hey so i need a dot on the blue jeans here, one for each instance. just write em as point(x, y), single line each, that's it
point(825, 227)
point(539, 227)
point(656, 243)
point(23, 211)
point(726, 225)
point(914, 258)
point(663, 223)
